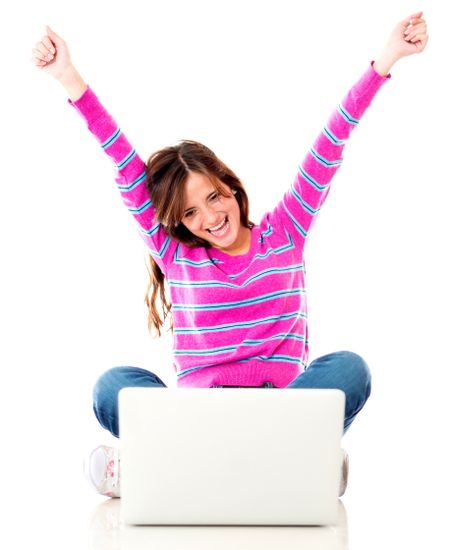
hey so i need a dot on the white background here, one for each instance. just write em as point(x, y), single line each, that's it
point(255, 81)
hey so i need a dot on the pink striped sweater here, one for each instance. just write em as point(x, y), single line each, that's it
point(238, 320)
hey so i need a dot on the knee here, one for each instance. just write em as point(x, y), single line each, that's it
point(357, 373)
point(113, 380)
point(108, 385)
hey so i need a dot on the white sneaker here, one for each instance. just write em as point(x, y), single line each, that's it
point(101, 469)
point(344, 475)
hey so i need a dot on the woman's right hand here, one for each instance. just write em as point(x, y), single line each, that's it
point(51, 55)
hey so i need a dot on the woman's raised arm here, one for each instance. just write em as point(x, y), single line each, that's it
point(52, 56)
point(303, 200)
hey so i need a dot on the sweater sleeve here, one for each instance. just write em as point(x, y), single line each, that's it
point(130, 174)
point(301, 203)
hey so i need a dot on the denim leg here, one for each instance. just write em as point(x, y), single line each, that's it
point(107, 388)
point(343, 370)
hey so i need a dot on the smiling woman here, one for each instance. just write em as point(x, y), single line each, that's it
point(193, 193)
point(215, 215)
point(237, 289)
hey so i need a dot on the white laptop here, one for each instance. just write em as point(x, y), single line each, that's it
point(230, 456)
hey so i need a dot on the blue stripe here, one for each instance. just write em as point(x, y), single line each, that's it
point(287, 358)
point(239, 303)
point(244, 324)
point(193, 263)
point(207, 263)
point(141, 208)
point(150, 231)
point(164, 247)
point(305, 205)
point(268, 231)
point(334, 140)
point(289, 246)
point(134, 183)
point(126, 160)
point(297, 225)
point(226, 349)
point(322, 160)
point(255, 277)
point(112, 139)
point(347, 116)
point(311, 180)
point(277, 358)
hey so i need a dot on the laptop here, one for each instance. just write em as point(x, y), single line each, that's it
point(230, 456)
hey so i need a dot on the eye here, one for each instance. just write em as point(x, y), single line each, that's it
point(214, 197)
point(189, 214)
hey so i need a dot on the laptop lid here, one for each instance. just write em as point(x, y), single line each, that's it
point(232, 456)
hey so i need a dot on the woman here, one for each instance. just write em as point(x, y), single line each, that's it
point(237, 297)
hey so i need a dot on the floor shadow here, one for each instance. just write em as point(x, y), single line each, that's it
point(107, 532)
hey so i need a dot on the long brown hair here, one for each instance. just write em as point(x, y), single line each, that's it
point(167, 172)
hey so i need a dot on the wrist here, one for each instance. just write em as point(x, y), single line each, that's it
point(384, 63)
point(72, 82)
point(68, 74)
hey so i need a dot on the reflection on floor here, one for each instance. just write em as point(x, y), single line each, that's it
point(106, 532)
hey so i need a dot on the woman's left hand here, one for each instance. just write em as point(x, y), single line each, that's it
point(408, 37)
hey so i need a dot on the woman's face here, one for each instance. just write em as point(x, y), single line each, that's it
point(211, 216)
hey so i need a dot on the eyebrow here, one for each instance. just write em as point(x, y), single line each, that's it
point(208, 197)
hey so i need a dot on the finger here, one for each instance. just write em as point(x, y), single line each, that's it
point(421, 29)
point(413, 25)
point(408, 20)
point(416, 24)
point(420, 44)
point(418, 38)
point(38, 62)
point(44, 51)
point(416, 15)
point(42, 48)
point(420, 24)
point(38, 55)
point(414, 31)
point(48, 44)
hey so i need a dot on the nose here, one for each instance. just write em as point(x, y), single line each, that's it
point(210, 216)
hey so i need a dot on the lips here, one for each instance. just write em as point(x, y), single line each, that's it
point(218, 227)
point(221, 229)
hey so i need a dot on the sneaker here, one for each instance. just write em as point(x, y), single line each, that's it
point(344, 475)
point(101, 469)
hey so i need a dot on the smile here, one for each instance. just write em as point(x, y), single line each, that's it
point(218, 226)
point(220, 229)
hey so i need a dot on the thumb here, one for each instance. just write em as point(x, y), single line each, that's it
point(53, 36)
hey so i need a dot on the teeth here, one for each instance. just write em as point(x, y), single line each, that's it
point(218, 226)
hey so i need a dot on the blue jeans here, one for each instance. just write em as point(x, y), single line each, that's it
point(343, 370)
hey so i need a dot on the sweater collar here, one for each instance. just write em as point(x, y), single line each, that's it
point(229, 259)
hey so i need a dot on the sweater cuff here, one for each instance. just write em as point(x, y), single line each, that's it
point(377, 76)
point(362, 93)
point(87, 105)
